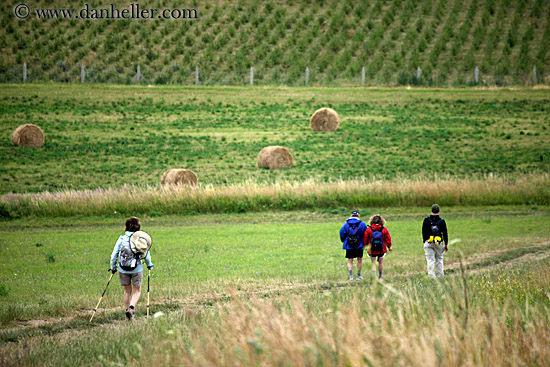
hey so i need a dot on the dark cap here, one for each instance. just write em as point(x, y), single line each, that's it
point(355, 213)
point(435, 208)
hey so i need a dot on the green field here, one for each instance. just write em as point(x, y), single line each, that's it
point(249, 268)
point(207, 265)
point(110, 136)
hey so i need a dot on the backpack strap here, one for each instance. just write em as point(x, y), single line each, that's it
point(438, 221)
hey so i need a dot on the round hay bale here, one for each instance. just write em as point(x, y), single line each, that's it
point(274, 157)
point(28, 136)
point(177, 177)
point(167, 177)
point(324, 119)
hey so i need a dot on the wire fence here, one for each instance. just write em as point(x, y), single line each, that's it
point(296, 76)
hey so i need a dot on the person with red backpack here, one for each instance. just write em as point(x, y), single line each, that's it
point(378, 239)
point(351, 234)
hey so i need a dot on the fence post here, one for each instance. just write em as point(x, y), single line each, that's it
point(82, 73)
point(535, 75)
point(138, 77)
point(196, 75)
point(251, 75)
point(363, 75)
point(418, 74)
point(476, 75)
point(307, 75)
point(24, 72)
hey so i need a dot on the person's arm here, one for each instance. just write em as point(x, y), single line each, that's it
point(148, 261)
point(425, 230)
point(343, 233)
point(368, 234)
point(363, 231)
point(443, 228)
point(114, 255)
point(387, 238)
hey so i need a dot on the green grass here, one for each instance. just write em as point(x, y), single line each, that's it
point(220, 251)
point(109, 136)
point(214, 271)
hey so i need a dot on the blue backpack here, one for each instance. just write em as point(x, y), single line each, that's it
point(353, 238)
point(377, 240)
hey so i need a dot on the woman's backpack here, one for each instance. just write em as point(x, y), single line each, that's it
point(377, 240)
point(133, 249)
point(127, 260)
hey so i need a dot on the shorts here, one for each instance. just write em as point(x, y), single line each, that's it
point(356, 252)
point(135, 278)
point(380, 256)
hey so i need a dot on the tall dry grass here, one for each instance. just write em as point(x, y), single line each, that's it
point(377, 327)
point(310, 194)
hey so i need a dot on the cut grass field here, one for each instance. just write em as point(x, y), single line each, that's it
point(220, 279)
point(108, 136)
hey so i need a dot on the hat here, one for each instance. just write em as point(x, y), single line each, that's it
point(355, 213)
point(435, 208)
point(140, 243)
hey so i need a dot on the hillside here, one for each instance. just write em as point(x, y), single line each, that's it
point(334, 39)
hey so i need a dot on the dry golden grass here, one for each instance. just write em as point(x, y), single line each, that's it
point(390, 329)
point(310, 194)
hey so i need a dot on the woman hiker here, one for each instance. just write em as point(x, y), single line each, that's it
point(130, 268)
point(378, 240)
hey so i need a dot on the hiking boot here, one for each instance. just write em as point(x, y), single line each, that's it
point(359, 277)
point(128, 315)
point(351, 277)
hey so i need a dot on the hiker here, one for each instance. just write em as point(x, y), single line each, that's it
point(378, 241)
point(434, 231)
point(129, 250)
point(351, 234)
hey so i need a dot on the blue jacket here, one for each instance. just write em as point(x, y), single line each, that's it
point(116, 251)
point(344, 232)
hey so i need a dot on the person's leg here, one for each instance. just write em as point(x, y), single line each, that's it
point(127, 295)
point(359, 266)
point(350, 268)
point(136, 287)
point(373, 261)
point(127, 298)
point(430, 258)
point(439, 261)
point(135, 296)
point(380, 266)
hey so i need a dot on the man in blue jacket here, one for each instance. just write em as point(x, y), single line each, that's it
point(352, 234)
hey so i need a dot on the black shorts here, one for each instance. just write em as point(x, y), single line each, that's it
point(356, 252)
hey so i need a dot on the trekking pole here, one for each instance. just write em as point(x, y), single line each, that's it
point(95, 310)
point(148, 277)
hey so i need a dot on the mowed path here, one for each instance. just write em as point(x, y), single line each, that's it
point(191, 305)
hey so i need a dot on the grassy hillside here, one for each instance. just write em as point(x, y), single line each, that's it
point(110, 136)
point(334, 38)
